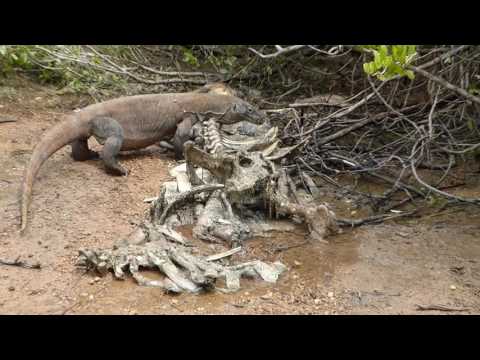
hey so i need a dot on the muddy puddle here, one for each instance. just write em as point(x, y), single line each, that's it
point(311, 266)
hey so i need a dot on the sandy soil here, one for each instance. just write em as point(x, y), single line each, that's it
point(383, 269)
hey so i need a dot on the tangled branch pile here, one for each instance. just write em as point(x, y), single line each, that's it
point(394, 130)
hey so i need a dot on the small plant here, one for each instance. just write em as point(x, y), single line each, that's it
point(63, 71)
point(190, 58)
point(390, 61)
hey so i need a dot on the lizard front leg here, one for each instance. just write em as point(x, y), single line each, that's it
point(183, 134)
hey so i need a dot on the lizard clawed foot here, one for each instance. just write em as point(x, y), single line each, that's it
point(117, 170)
point(94, 155)
point(85, 156)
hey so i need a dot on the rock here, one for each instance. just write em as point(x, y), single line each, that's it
point(267, 296)
point(453, 287)
point(330, 295)
point(317, 301)
point(90, 297)
point(297, 263)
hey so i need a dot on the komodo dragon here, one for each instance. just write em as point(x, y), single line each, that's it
point(131, 123)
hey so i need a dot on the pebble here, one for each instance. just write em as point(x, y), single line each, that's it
point(11, 288)
point(317, 301)
point(267, 296)
point(90, 297)
point(83, 294)
point(453, 287)
point(201, 309)
point(330, 295)
point(94, 281)
point(297, 263)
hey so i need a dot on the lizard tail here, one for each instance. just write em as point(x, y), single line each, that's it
point(54, 139)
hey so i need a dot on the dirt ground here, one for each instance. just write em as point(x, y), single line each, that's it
point(382, 269)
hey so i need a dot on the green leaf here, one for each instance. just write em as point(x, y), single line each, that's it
point(3, 50)
point(369, 68)
point(471, 124)
point(378, 61)
point(410, 74)
point(383, 50)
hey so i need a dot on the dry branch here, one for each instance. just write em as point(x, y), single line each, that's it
point(445, 84)
point(22, 264)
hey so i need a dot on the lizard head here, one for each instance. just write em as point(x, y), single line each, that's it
point(243, 111)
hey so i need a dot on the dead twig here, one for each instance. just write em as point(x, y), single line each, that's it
point(372, 220)
point(2, 121)
point(439, 308)
point(224, 254)
point(21, 264)
point(445, 84)
point(280, 51)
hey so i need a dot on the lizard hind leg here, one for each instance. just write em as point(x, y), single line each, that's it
point(109, 133)
point(81, 152)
